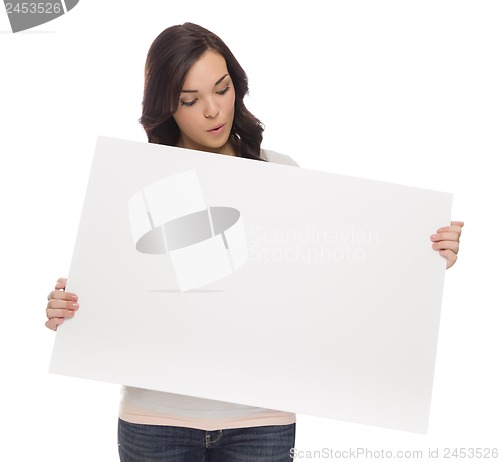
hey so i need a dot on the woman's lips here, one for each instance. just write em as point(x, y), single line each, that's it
point(217, 129)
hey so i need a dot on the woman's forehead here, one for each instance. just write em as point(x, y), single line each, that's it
point(206, 71)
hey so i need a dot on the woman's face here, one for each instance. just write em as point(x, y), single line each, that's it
point(206, 106)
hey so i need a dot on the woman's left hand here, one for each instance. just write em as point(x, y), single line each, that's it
point(446, 240)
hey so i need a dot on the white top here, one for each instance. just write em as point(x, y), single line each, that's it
point(158, 408)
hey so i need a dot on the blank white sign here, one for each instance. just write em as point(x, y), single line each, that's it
point(324, 297)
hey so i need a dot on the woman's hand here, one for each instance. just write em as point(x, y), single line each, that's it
point(61, 305)
point(446, 240)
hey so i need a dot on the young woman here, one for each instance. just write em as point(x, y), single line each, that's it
point(193, 98)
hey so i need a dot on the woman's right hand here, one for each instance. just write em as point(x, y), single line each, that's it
point(61, 305)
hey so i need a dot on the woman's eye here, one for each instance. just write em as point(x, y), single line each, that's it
point(222, 92)
point(188, 103)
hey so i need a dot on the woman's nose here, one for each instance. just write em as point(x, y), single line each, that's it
point(211, 109)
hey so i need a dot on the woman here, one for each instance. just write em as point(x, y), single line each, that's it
point(193, 98)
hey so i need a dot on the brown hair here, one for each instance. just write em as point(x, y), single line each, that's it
point(169, 59)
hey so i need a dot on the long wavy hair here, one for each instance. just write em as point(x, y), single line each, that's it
point(169, 59)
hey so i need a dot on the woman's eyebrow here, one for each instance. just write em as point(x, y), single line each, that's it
point(216, 83)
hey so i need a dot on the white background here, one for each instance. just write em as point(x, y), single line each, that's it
point(399, 91)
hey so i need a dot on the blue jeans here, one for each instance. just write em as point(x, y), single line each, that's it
point(158, 443)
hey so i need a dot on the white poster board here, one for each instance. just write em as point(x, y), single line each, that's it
point(280, 287)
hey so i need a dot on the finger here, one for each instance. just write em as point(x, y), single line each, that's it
point(455, 226)
point(61, 284)
point(60, 295)
point(450, 256)
point(55, 304)
point(54, 323)
point(446, 245)
point(445, 236)
point(59, 313)
point(454, 229)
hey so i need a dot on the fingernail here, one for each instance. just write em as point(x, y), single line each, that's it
point(434, 236)
point(74, 298)
point(76, 306)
